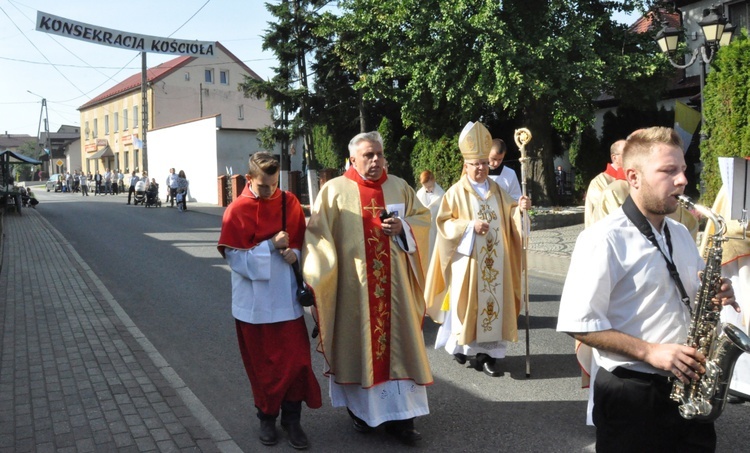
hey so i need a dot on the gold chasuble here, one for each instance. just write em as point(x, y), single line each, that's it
point(484, 287)
point(368, 290)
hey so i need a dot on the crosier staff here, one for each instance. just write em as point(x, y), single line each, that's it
point(522, 137)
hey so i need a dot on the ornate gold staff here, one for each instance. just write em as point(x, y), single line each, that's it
point(522, 137)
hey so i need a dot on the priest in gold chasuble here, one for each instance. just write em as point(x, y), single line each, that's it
point(365, 256)
point(474, 280)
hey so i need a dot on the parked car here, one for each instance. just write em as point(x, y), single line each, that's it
point(55, 182)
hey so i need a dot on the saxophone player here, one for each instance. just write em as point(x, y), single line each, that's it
point(628, 294)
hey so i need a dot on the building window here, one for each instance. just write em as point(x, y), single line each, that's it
point(117, 122)
point(106, 124)
point(135, 159)
point(127, 156)
point(738, 15)
point(117, 161)
point(224, 77)
point(209, 75)
point(95, 131)
point(86, 130)
point(135, 116)
point(124, 119)
point(241, 113)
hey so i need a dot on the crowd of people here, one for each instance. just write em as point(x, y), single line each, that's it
point(380, 257)
point(113, 183)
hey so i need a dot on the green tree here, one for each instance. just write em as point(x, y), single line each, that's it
point(441, 156)
point(324, 148)
point(292, 39)
point(726, 109)
point(446, 62)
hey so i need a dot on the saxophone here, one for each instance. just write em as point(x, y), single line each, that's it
point(704, 399)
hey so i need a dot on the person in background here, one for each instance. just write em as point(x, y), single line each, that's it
point(84, 185)
point(597, 185)
point(474, 280)
point(120, 182)
point(182, 190)
point(735, 265)
point(269, 321)
point(430, 195)
point(133, 182)
point(364, 256)
point(172, 186)
point(98, 183)
point(107, 182)
point(504, 176)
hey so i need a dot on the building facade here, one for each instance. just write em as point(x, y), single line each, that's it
point(179, 90)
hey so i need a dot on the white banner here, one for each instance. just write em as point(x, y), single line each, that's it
point(56, 25)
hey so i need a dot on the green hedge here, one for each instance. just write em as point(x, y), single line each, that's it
point(726, 108)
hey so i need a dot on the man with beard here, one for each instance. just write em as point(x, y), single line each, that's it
point(621, 298)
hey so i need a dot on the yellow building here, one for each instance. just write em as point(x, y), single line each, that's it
point(179, 90)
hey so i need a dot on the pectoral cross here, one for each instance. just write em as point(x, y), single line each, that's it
point(373, 208)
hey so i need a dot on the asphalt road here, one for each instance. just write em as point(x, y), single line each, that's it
point(163, 269)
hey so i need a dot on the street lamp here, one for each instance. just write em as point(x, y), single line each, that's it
point(717, 32)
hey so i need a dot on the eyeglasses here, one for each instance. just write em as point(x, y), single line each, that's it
point(478, 164)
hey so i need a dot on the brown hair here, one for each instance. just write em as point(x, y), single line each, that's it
point(641, 142)
point(263, 162)
point(499, 145)
point(426, 176)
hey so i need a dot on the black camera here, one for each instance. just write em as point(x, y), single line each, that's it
point(386, 215)
point(305, 294)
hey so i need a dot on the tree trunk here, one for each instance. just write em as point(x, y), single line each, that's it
point(541, 170)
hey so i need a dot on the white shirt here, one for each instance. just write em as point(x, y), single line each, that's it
point(263, 285)
point(618, 280)
point(508, 181)
point(172, 180)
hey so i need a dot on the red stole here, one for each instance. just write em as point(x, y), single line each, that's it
point(250, 220)
point(618, 174)
point(378, 262)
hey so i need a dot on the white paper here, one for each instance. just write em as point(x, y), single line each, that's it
point(736, 178)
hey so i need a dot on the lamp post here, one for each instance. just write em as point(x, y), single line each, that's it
point(717, 32)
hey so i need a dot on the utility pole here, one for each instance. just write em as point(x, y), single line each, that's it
point(43, 113)
point(144, 110)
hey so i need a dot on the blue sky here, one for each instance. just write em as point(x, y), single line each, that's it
point(67, 72)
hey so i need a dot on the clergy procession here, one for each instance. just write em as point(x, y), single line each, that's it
point(659, 324)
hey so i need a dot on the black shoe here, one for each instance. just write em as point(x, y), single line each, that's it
point(359, 424)
point(460, 358)
point(297, 437)
point(734, 399)
point(268, 433)
point(478, 362)
point(491, 369)
point(404, 431)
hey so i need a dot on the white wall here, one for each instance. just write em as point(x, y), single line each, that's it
point(191, 147)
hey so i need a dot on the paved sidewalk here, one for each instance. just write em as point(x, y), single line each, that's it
point(76, 375)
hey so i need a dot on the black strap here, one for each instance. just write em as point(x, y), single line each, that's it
point(295, 264)
point(283, 210)
point(639, 220)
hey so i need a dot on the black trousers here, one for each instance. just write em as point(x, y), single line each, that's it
point(633, 412)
